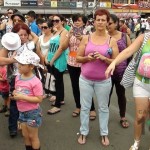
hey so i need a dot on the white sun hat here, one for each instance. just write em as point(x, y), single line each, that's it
point(11, 41)
point(29, 57)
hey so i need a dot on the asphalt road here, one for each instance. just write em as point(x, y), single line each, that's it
point(59, 132)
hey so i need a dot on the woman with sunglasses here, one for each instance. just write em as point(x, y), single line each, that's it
point(74, 68)
point(96, 52)
point(7, 26)
point(123, 41)
point(43, 46)
point(56, 59)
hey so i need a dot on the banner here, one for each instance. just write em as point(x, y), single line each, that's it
point(16, 3)
point(125, 6)
point(79, 4)
point(29, 3)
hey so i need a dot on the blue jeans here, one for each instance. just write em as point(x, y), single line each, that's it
point(102, 91)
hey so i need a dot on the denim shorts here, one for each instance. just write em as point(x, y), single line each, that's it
point(4, 95)
point(33, 118)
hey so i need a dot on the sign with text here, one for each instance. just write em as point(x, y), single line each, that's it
point(79, 4)
point(54, 4)
point(29, 3)
point(47, 3)
point(105, 4)
point(91, 4)
point(63, 4)
point(12, 3)
point(72, 4)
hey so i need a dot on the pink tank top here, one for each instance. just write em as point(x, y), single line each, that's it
point(95, 70)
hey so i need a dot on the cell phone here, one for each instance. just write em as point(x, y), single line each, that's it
point(77, 31)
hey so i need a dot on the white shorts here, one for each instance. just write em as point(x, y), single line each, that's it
point(141, 89)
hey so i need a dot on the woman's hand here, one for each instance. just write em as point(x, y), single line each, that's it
point(91, 57)
point(110, 70)
point(97, 55)
point(51, 63)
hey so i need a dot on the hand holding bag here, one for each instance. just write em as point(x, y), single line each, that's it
point(129, 74)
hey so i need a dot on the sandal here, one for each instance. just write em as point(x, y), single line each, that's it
point(135, 146)
point(105, 140)
point(52, 98)
point(53, 111)
point(82, 139)
point(92, 115)
point(124, 123)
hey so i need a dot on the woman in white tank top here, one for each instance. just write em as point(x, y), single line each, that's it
point(43, 45)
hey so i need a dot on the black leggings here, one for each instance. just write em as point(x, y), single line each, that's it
point(74, 73)
point(120, 91)
point(59, 85)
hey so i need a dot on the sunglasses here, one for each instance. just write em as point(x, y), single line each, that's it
point(57, 21)
point(10, 13)
point(17, 20)
point(44, 27)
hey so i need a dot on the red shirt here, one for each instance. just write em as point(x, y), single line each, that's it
point(4, 85)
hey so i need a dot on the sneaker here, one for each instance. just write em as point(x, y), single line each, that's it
point(7, 113)
point(3, 109)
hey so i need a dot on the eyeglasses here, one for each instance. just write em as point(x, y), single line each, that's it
point(17, 20)
point(9, 12)
point(44, 27)
point(110, 23)
point(57, 21)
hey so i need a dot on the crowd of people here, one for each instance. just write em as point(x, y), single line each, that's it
point(96, 53)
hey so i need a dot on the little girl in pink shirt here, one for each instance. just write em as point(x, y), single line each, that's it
point(29, 93)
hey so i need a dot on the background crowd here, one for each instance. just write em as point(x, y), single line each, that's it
point(88, 49)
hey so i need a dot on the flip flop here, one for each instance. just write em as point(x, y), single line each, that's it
point(75, 114)
point(104, 143)
point(124, 123)
point(82, 139)
point(92, 115)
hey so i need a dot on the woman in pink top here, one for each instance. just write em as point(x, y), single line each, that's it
point(96, 52)
point(74, 68)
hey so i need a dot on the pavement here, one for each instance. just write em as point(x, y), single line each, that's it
point(60, 131)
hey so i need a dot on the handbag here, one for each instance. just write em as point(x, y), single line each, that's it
point(50, 82)
point(129, 74)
